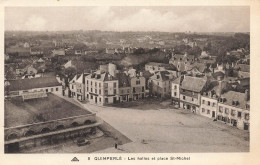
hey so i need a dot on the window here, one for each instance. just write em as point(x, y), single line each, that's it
point(99, 84)
point(203, 110)
point(57, 89)
point(100, 91)
point(87, 81)
point(246, 116)
point(106, 92)
point(91, 97)
point(128, 91)
point(142, 89)
point(208, 103)
point(226, 110)
point(105, 85)
point(192, 99)
point(175, 86)
point(164, 89)
point(114, 85)
point(220, 109)
point(95, 90)
point(99, 99)
point(175, 94)
point(46, 90)
point(106, 100)
point(72, 86)
point(51, 89)
point(90, 82)
point(239, 114)
point(208, 111)
point(114, 91)
point(213, 104)
point(95, 84)
point(183, 97)
point(133, 89)
point(137, 82)
point(158, 83)
point(87, 89)
point(203, 101)
point(233, 112)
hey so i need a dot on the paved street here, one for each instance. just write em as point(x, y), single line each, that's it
point(170, 130)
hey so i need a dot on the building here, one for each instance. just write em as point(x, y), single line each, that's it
point(68, 64)
point(175, 91)
point(24, 87)
point(44, 120)
point(234, 109)
point(102, 87)
point(153, 67)
point(36, 51)
point(31, 70)
point(58, 52)
point(190, 93)
point(73, 86)
point(80, 86)
point(243, 70)
point(137, 83)
point(26, 45)
point(160, 84)
point(209, 99)
point(125, 92)
point(110, 51)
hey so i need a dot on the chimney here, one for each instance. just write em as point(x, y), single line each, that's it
point(141, 74)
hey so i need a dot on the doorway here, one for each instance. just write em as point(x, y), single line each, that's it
point(213, 114)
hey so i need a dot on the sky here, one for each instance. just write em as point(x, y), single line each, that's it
point(129, 18)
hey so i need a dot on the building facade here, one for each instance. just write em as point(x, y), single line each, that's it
point(234, 109)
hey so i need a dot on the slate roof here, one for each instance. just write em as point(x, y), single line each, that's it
point(26, 84)
point(199, 66)
point(147, 74)
point(235, 96)
point(177, 80)
point(194, 84)
point(101, 76)
point(161, 76)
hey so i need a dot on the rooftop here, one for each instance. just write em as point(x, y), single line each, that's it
point(40, 82)
point(235, 96)
point(194, 84)
point(49, 108)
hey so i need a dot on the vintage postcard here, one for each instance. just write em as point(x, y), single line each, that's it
point(167, 82)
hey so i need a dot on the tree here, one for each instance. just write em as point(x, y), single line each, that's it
point(70, 72)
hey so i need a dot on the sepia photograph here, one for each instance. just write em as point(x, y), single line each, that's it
point(126, 79)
